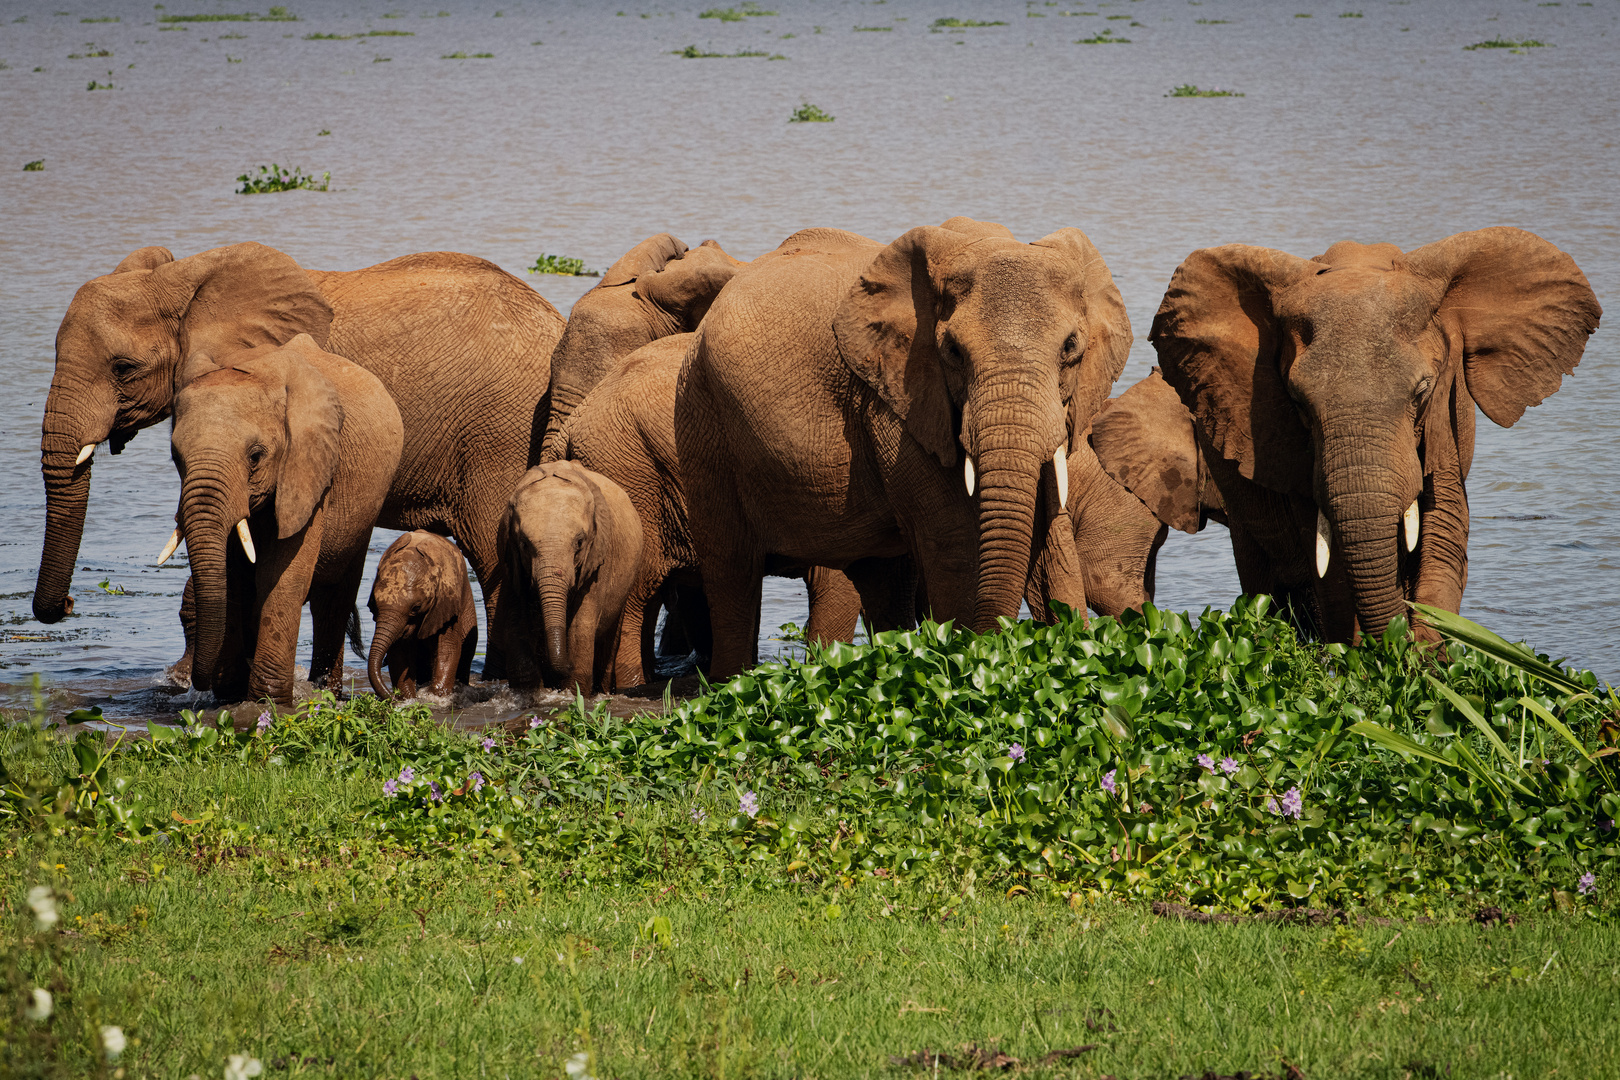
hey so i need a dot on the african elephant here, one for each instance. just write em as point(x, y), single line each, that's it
point(427, 625)
point(571, 542)
point(292, 449)
point(1335, 404)
point(657, 288)
point(1137, 474)
point(625, 430)
point(463, 348)
point(847, 400)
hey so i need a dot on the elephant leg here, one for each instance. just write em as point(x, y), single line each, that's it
point(441, 656)
point(469, 646)
point(693, 608)
point(733, 582)
point(835, 605)
point(887, 589)
point(486, 565)
point(283, 576)
point(329, 606)
point(401, 660)
point(582, 646)
point(180, 671)
point(673, 640)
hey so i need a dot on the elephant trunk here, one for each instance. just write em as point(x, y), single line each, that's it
point(66, 430)
point(211, 503)
point(1009, 468)
point(554, 578)
point(391, 623)
point(1364, 509)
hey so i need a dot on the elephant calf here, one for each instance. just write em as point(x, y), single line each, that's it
point(570, 542)
point(292, 449)
point(427, 626)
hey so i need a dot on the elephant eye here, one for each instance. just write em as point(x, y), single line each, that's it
point(1071, 347)
point(255, 456)
point(123, 368)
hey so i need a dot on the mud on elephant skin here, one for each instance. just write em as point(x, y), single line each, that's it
point(571, 541)
point(848, 400)
point(1335, 396)
point(285, 454)
point(463, 347)
point(658, 288)
point(426, 622)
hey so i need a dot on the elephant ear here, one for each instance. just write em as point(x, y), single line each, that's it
point(686, 287)
point(1144, 439)
point(1519, 308)
point(243, 296)
point(1218, 342)
point(441, 557)
point(314, 418)
point(1108, 327)
point(647, 257)
point(146, 258)
point(196, 366)
point(977, 229)
point(885, 334)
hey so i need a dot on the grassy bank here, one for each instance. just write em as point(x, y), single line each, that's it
point(850, 865)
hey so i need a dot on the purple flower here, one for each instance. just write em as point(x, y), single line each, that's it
point(1016, 752)
point(699, 814)
point(1108, 781)
point(749, 804)
point(1271, 807)
point(407, 774)
point(477, 779)
point(1228, 766)
point(389, 787)
point(264, 722)
point(534, 722)
point(433, 791)
point(1293, 803)
point(489, 743)
point(1206, 762)
point(1587, 884)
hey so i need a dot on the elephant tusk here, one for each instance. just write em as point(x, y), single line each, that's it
point(1410, 520)
point(247, 540)
point(967, 472)
point(1060, 465)
point(1321, 545)
point(168, 549)
point(84, 453)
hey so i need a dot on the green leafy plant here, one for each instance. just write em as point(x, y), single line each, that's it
point(692, 52)
point(735, 15)
point(1105, 37)
point(1189, 90)
point(562, 265)
point(276, 14)
point(101, 19)
point(873, 29)
point(1507, 43)
point(273, 178)
point(953, 23)
point(94, 85)
point(807, 113)
point(468, 56)
point(37, 165)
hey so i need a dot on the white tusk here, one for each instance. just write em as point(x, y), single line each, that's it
point(168, 549)
point(84, 454)
point(1321, 545)
point(1060, 465)
point(1410, 520)
point(967, 472)
point(247, 540)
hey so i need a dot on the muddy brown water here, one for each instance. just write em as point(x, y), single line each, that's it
point(582, 134)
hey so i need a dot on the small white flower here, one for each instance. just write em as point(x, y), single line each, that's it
point(43, 901)
point(41, 1006)
point(241, 1067)
point(576, 1067)
point(517, 959)
point(113, 1041)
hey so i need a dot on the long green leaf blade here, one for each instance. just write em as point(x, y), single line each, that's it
point(1456, 627)
point(1556, 724)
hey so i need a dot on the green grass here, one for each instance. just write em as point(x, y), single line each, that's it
point(273, 178)
point(562, 265)
point(1189, 90)
point(1507, 43)
point(807, 113)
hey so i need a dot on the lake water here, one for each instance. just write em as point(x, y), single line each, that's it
point(582, 133)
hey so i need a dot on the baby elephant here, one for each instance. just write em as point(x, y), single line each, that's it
point(570, 543)
point(427, 626)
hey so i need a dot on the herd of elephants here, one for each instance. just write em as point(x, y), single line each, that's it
point(917, 428)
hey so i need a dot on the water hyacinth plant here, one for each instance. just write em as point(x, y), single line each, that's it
point(807, 113)
point(273, 178)
point(1189, 90)
point(37, 165)
point(563, 265)
point(1105, 37)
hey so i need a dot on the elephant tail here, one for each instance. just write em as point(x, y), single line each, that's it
point(356, 646)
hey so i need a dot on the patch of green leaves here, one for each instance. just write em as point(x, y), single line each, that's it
point(273, 178)
point(37, 165)
point(1507, 43)
point(807, 113)
point(1105, 37)
point(734, 14)
point(953, 23)
point(1189, 90)
point(562, 265)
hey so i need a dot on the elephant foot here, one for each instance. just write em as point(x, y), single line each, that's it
point(179, 672)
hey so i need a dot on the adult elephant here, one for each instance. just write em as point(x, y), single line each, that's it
point(847, 401)
point(463, 347)
point(1136, 475)
point(657, 288)
point(1335, 404)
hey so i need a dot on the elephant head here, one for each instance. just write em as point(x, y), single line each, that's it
point(1349, 382)
point(657, 288)
point(549, 539)
point(255, 441)
point(1145, 441)
point(118, 354)
point(998, 352)
point(417, 593)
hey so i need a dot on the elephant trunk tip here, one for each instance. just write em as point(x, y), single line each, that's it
point(557, 649)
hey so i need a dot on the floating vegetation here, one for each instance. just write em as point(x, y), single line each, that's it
point(1105, 37)
point(956, 24)
point(89, 55)
point(1207, 22)
point(323, 131)
point(873, 29)
point(810, 114)
point(100, 85)
point(1189, 90)
point(277, 14)
point(1302, 15)
point(106, 586)
point(328, 37)
point(692, 52)
point(388, 33)
point(37, 165)
point(734, 15)
point(231, 37)
point(233, 59)
point(468, 56)
point(103, 18)
point(273, 178)
point(562, 265)
point(1507, 43)
point(1350, 15)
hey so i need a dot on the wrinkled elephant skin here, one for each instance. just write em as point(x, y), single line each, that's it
point(426, 622)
